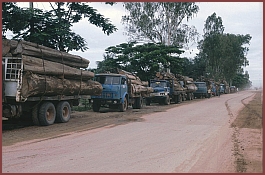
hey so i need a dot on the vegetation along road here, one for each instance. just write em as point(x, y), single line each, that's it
point(204, 135)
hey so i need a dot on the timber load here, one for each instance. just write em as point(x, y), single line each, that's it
point(49, 72)
point(188, 82)
point(135, 84)
point(17, 48)
point(170, 76)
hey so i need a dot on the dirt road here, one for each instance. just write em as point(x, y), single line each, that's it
point(195, 136)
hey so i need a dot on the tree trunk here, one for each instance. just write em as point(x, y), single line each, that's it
point(45, 67)
point(38, 85)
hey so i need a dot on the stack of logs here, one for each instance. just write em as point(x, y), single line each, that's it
point(47, 71)
point(188, 82)
point(135, 85)
point(169, 76)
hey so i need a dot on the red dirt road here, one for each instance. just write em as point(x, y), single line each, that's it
point(193, 137)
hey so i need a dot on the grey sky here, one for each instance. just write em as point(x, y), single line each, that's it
point(238, 18)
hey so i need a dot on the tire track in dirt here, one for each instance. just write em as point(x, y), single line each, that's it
point(240, 162)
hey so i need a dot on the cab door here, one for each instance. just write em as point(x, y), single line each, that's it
point(124, 87)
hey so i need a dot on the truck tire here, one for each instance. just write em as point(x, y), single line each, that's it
point(96, 106)
point(189, 96)
point(47, 114)
point(138, 104)
point(179, 98)
point(34, 115)
point(176, 100)
point(183, 97)
point(167, 100)
point(123, 107)
point(147, 102)
point(63, 112)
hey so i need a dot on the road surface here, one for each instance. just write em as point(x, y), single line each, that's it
point(194, 137)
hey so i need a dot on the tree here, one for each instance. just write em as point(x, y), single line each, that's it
point(145, 59)
point(242, 80)
point(210, 46)
point(234, 57)
point(52, 28)
point(160, 22)
point(223, 54)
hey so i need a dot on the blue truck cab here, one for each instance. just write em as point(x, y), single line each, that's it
point(116, 94)
point(222, 88)
point(164, 92)
point(213, 90)
point(161, 92)
point(201, 90)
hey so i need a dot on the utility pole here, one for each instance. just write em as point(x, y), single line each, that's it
point(31, 24)
point(31, 5)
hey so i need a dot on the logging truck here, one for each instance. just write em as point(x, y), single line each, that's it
point(202, 90)
point(43, 83)
point(165, 91)
point(120, 90)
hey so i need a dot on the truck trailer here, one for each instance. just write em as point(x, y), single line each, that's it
point(39, 84)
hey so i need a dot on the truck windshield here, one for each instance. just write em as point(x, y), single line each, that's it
point(200, 84)
point(158, 84)
point(108, 79)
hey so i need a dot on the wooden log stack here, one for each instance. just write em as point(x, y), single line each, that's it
point(136, 86)
point(169, 76)
point(188, 82)
point(47, 71)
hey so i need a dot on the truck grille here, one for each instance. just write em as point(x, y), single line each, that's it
point(107, 95)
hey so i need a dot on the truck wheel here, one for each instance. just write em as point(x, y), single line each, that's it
point(147, 102)
point(179, 98)
point(123, 106)
point(176, 100)
point(47, 114)
point(34, 115)
point(189, 96)
point(63, 111)
point(96, 106)
point(183, 97)
point(138, 103)
point(167, 100)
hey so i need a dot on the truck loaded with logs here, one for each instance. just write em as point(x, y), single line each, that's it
point(120, 90)
point(43, 82)
point(168, 87)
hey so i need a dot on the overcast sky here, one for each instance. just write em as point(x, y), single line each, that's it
point(238, 18)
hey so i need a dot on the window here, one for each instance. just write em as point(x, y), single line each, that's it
point(108, 80)
point(12, 67)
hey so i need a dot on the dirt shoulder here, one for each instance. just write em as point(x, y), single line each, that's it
point(80, 121)
point(248, 137)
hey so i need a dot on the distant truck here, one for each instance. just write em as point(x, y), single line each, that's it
point(165, 92)
point(222, 89)
point(232, 89)
point(213, 90)
point(202, 90)
point(35, 84)
point(119, 92)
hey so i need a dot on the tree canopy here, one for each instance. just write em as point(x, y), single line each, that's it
point(160, 22)
point(52, 28)
point(223, 54)
point(143, 59)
